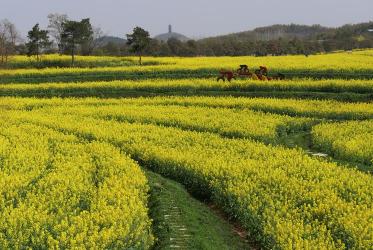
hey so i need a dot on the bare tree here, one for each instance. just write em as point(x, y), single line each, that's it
point(55, 27)
point(90, 45)
point(8, 39)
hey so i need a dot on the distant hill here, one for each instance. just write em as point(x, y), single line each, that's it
point(275, 32)
point(292, 31)
point(164, 37)
point(289, 39)
point(103, 41)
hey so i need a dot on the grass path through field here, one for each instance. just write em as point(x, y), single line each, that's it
point(182, 222)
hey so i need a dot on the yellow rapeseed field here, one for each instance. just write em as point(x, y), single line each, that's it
point(74, 143)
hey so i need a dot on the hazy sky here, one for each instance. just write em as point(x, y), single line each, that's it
point(194, 18)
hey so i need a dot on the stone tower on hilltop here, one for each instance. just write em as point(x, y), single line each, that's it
point(164, 37)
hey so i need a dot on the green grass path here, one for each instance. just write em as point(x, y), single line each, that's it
point(182, 222)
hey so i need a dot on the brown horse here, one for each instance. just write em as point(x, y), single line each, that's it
point(226, 74)
point(243, 71)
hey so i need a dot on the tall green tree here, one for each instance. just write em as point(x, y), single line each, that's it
point(38, 40)
point(75, 34)
point(139, 40)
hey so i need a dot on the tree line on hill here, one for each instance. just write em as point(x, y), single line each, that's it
point(71, 37)
point(273, 40)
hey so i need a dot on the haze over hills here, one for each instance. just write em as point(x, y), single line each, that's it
point(272, 32)
point(262, 33)
point(103, 41)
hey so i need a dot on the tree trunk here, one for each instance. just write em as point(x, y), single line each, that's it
point(37, 53)
point(72, 56)
point(140, 60)
point(73, 51)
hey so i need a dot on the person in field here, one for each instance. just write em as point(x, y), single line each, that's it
point(262, 73)
point(244, 69)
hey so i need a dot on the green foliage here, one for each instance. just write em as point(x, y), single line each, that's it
point(38, 41)
point(75, 33)
point(79, 85)
point(179, 219)
point(138, 41)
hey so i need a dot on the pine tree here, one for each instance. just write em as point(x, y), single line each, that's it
point(38, 40)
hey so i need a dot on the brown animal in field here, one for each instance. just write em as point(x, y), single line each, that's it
point(243, 71)
point(226, 74)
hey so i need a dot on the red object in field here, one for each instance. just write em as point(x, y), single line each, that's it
point(244, 72)
point(226, 74)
